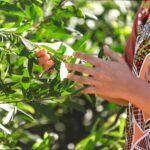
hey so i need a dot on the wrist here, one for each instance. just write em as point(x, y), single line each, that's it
point(131, 88)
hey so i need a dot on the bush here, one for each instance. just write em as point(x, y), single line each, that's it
point(41, 110)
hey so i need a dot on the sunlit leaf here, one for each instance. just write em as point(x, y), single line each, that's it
point(91, 16)
point(9, 116)
point(28, 44)
point(38, 10)
point(5, 129)
point(23, 28)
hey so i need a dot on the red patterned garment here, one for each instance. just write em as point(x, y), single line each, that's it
point(137, 55)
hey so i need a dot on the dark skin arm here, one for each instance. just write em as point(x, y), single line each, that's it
point(112, 80)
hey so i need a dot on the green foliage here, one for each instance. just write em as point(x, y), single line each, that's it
point(42, 110)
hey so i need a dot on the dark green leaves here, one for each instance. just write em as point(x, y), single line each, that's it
point(11, 9)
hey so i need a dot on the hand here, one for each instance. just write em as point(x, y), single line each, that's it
point(44, 59)
point(107, 79)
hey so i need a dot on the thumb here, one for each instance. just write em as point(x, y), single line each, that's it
point(113, 55)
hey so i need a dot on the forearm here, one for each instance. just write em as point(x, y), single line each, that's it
point(139, 94)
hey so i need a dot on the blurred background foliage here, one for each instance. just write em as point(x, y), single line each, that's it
point(38, 111)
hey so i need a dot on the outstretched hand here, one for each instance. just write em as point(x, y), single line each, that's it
point(107, 78)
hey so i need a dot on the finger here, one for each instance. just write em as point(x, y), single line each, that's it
point(49, 64)
point(41, 53)
point(113, 55)
point(78, 86)
point(89, 90)
point(79, 68)
point(91, 59)
point(44, 59)
point(82, 80)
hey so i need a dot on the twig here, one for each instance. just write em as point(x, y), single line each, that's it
point(62, 2)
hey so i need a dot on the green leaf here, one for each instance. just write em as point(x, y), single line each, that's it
point(81, 42)
point(122, 125)
point(80, 13)
point(16, 78)
point(25, 79)
point(25, 115)
point(25, 82)
point(23, 28)
point(46, 110)
point(61, 50)
point(30, 66)
point(38, 10)
point(74, 105)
